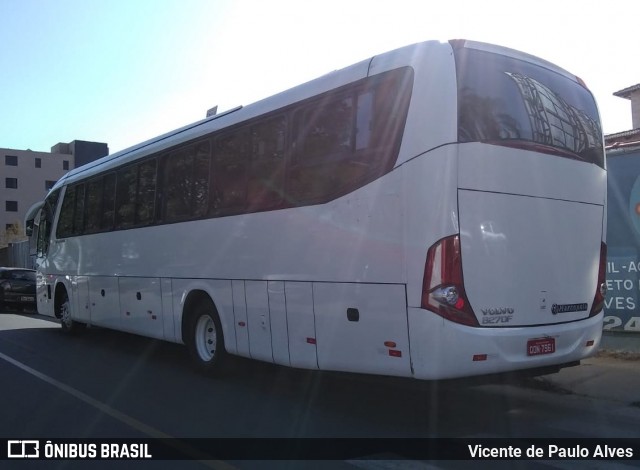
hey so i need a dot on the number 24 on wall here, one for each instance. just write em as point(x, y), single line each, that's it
point(611, 322)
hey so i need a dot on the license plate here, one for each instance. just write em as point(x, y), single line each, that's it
point(26, 299)
point(539, 346)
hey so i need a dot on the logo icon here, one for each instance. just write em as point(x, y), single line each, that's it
point(568, 308)
point(29, 449)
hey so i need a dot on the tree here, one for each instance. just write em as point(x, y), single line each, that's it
point(13, 233)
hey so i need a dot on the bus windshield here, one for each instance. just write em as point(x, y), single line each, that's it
point(511, 102)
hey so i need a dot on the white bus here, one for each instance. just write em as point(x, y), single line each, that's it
point(434, 212)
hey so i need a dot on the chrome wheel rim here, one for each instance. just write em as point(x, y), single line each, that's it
point(206, 339)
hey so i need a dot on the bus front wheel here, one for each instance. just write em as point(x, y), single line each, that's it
point(205, 339)
point(63, 311)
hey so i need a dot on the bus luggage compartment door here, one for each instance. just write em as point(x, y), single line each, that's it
point(362, 328)
point(259, 320)
point(141, 306)
point(104, 301)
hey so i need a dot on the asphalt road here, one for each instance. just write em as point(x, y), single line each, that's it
point(104, 384)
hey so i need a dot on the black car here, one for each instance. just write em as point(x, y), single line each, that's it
point(17, 289)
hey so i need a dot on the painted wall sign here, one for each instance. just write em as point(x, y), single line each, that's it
point(622, 304)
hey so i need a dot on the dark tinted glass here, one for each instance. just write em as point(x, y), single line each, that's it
point(78, 217)
point(94, 205)
point(108, 203)
point(344, 140)
point(65, 220)
point(231, 158)
point(506, 101)
point(309, 152)
point(186, 185)
point(145, 202)
point(266, 176)
point(22, 275)
point(126, 196)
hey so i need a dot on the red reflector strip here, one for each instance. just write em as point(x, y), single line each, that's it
point(395, 353)
point(479, 357)
point(311, 340)
point(590, 343)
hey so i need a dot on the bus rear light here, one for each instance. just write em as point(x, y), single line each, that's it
point(479, 357)
point(443, 287)
point(601, 286)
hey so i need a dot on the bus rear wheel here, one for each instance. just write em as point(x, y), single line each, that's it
point(205, 339)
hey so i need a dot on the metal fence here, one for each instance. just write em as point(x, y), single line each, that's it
point(18, 255)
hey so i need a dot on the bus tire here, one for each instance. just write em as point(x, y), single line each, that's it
point(63, 311)
point(204, 338)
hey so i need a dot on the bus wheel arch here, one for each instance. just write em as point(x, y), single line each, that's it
point(202, 332)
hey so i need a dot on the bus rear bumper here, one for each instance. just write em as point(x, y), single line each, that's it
point(441, 349)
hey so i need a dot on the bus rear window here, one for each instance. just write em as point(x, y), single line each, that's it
point(511, 102)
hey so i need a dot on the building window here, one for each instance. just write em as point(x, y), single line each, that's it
point(38, 162)
point(11, 160)
point(48, 184)
point(11, 206)
point(11, 183)
point(65, 164)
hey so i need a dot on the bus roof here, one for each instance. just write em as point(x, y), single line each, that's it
point(404, 56)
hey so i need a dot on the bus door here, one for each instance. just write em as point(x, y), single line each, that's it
point(44, 282)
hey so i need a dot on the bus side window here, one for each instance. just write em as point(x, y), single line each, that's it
point(324, 141)
point(65, 220)
point(345, 140)
point(146, 196)
point(201, 178)
point(93, 205)
point(186, 183)
point(231, 159)
point(78, 214)
point(327, 129)
point(46, 221)
point(109, 202)
point(126, 188)
point(71, 220)
point(364, 120)
point(266, 176)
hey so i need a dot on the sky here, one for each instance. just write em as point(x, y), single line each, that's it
point(124, 71)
